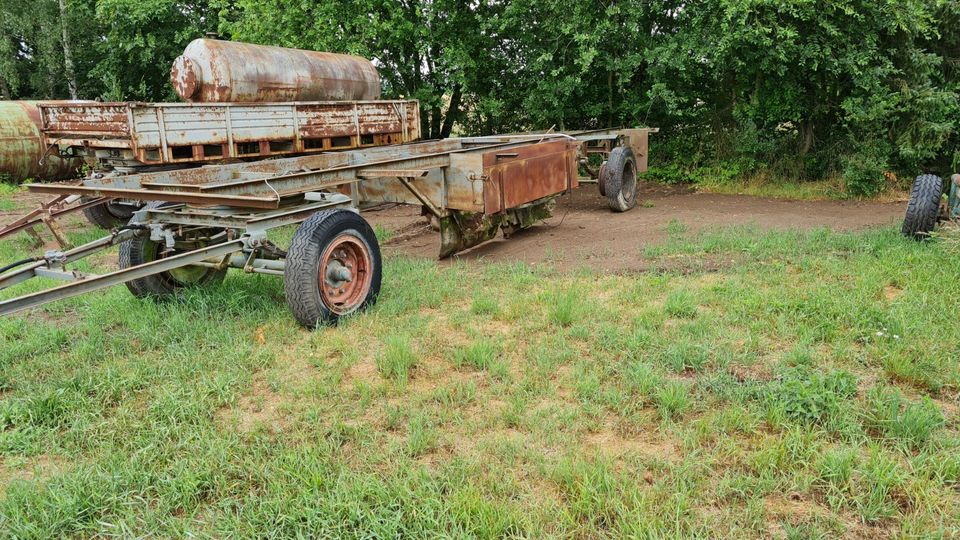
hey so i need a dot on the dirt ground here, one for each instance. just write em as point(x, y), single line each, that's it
point(584, 231)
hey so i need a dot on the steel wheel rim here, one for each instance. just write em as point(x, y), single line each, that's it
point(345, 275)
point(176, 277)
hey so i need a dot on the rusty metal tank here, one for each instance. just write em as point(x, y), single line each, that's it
point(212, 70)
point(22, 147)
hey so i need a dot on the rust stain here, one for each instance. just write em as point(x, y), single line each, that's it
point(527, 173)
point(22, 146)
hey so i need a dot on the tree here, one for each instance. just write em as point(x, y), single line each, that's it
point(430, 50)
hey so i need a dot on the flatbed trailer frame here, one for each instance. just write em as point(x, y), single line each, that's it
point(211, 218)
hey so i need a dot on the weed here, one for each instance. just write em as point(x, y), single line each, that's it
point(564, 306)
point(676, 227)
point(811, 397)
point(397, 358)
point(673, 399)
point(422, 437)
point(908, 424)
point(680, 303)
point(682, 356)
point(480, 354)
point(484, 305)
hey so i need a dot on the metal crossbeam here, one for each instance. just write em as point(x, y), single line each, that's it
point(94, 283)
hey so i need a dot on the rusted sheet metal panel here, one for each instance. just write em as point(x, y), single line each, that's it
point(465, 182)
point(93, 119)
point(334, 120)
point(162, 133)
point(212, 70)
point(389, 189)
point(638, 141)
point(22, 147)
point(522, 174)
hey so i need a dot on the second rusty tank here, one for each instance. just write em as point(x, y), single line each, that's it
point(23, 153)
point(215, 71)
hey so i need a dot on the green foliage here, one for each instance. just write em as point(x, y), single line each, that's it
point(680, 303)
point(796, 90)
point(564, 306)
point(863, 173)
point(810, 397)
point(119, 49)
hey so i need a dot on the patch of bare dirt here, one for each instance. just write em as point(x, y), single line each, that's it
point(260, 407)
point(584, 232)
point(36, 467)
point(613, 443)
point(891, 292)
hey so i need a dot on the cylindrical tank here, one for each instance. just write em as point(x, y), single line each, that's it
point(22, 148)
point(212, 70)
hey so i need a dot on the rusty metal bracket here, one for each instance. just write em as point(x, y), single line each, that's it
point(421, 197)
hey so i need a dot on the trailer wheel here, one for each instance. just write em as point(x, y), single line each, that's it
point(923, 208)
point(620, 179)
point(602, 178)
point(333, 267)
point(109, 214)
point(141, 249)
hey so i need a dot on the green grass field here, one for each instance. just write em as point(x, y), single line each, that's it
point(758, 384)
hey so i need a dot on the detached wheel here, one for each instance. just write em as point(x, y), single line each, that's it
point(109, 214)
point(333, 268)
point(141, 250)
point(923, 208)
point(619, 179)
point(602, 178)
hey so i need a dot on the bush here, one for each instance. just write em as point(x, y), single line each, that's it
point(864, 174)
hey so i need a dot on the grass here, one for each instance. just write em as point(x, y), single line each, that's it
point(806, 388)
point(766, 184)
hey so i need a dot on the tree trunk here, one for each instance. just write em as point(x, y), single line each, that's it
point(67, 56)
point(806, 132)
point(453, 111)
point(610, 99)
point(435, 122)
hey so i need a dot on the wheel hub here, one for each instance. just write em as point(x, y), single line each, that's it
point(345, 274)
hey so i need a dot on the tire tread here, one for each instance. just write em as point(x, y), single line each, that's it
point(923, 207)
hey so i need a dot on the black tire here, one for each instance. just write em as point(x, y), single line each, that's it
point(315, 247)
point(923, 208)
point(602, 178)
point(620, 182)
point(141, 249)
point(109, 214)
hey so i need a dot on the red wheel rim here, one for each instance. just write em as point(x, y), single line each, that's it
point(345, 274)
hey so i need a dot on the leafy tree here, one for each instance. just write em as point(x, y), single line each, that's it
point(793, 88)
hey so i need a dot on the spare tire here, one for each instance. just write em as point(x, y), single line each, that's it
point(109, 214)
point(620, 180)
point(923, 208)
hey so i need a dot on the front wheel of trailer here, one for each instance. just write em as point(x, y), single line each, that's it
point(333, 268)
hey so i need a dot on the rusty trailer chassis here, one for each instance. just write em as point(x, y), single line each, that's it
point(210, 218)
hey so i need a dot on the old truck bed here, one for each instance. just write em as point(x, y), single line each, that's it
point(136, 134)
